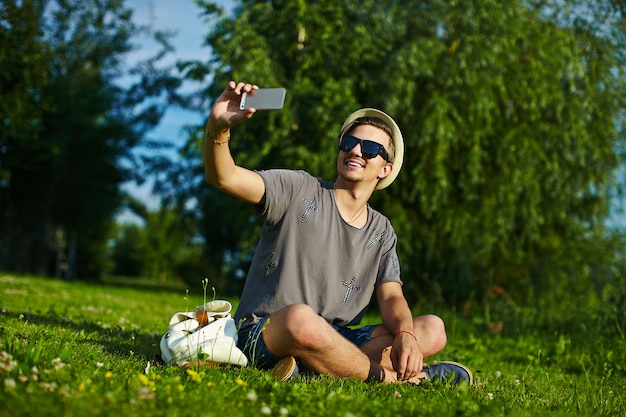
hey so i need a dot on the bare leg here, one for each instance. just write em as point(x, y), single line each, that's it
point(298, 331)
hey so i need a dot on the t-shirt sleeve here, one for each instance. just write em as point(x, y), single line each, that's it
point(389, 267)
point(281, 187)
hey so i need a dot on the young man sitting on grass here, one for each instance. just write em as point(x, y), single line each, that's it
point(322, 255)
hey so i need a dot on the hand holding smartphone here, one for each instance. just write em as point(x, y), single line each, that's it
point(263, 99)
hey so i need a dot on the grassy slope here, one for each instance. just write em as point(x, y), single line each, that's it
point(79, 349)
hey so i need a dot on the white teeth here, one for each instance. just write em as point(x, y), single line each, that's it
point(354, 164)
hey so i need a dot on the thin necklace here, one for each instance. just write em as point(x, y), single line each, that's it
point(355, 218)
point(358, 215)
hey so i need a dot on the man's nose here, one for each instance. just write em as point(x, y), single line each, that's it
point(357, 150)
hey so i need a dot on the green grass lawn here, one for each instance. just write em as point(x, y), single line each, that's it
point(75, 349)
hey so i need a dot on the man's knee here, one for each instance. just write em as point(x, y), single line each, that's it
point(433, 326)
point(304, 326)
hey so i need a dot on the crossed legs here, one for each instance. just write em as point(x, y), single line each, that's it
point(298, 331)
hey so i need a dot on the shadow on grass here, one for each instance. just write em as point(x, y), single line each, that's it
point(115, 339)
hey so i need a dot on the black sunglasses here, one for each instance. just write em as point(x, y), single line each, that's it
point(369, 148)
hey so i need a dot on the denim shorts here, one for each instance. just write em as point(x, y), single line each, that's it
point(252, 344)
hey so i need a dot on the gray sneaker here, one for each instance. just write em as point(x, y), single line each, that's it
point(443, 369)
point(285, 369)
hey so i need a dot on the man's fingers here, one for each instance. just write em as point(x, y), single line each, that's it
point(242, 87)
point(401, 365)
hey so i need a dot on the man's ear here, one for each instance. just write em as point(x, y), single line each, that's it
point(385, 170)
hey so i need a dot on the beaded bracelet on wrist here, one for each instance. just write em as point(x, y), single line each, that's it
point(208, 136)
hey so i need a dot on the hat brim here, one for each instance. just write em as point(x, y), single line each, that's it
point(396, 137)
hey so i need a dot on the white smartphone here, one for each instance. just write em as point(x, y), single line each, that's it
point(263, 99)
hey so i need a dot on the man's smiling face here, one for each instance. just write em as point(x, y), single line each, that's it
point(353, 167)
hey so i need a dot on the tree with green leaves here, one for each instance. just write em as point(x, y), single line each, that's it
point(23, 56)
point(72, 125)
point(512, 113)
point(163, 247)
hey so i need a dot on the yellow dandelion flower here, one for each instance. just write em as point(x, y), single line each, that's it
point(143, 379)
point(241, 382)
point(108, 374)
point(195, 376)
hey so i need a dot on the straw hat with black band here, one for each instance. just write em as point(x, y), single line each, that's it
point(396, 137)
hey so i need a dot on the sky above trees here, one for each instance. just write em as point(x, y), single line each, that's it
point(183, 18)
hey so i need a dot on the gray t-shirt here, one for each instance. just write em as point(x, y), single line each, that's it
point(308, 254)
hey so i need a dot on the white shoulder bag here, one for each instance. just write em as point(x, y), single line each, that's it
point(212, 340)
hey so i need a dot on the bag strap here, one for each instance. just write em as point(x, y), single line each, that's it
point(205, 313)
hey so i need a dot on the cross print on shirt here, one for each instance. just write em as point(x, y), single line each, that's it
point(351, 287)
point(310, 206)
point(378, 238)
point(270, 266)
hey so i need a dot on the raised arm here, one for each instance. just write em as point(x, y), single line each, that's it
point(220, 169)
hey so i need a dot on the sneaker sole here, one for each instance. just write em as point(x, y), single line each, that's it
point(460, 365)
point(285, 368)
